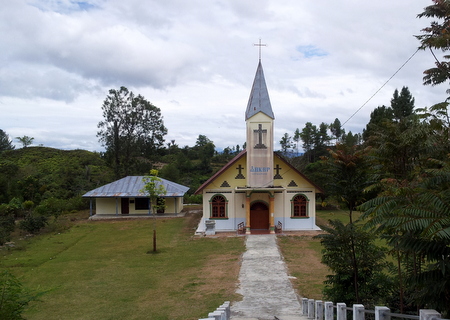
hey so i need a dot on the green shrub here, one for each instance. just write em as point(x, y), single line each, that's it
point(7, 223)
point(51, 207)
point(33, 223)
point(194, 198)
point(76, 203)
point(14, 298)
point(15, 207)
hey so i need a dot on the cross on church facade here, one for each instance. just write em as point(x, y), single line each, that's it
point(260, 131)
point(277, 170)
point(240, 175)
point(260, 45)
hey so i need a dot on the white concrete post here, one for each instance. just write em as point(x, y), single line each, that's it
point(305, 306)
point(428, 314)
point(226, 305)
point(381, 313)
point(216, 315)
point(224, 313)
point(341, 313)
point(311, 311)
point(358, 312)
point(329, 314)
point(319, 310)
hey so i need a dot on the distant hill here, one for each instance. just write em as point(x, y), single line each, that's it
point(36, 173)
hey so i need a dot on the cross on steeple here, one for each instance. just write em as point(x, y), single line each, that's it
point(260, 131)
point(260, 45)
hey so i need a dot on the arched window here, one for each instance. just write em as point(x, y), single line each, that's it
point(299, 206)
point(218, 207)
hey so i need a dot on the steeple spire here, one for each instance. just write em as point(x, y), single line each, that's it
point(259, 97)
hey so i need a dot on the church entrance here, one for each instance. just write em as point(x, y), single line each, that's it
point(259, 216)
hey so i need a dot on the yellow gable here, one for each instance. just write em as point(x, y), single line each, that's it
point(288, 177)
point(233, 175)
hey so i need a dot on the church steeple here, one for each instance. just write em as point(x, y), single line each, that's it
point(259, 96)
point(259, 119)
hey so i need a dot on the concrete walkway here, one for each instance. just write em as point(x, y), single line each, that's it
point(264, 283)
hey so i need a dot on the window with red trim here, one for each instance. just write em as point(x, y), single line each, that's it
point(218, 207)
point(300, 206)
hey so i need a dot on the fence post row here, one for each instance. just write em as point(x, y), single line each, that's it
point(221, 313)
point(319, 310)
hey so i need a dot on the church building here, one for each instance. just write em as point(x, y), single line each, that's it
point(258, 191)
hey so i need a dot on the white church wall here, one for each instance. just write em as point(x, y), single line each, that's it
point(279, 211)
point(234, 215)
point(239, 206)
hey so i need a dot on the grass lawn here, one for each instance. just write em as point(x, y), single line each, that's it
point(101, 270)
point(302, 255)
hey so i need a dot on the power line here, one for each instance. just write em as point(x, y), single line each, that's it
point(401, 67)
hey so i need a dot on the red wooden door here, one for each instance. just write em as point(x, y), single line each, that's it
point(259, 216)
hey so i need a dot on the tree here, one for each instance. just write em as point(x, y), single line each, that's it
point(285, 143)
point(296, 139)
point(351, 139)
point(414, 218)
point(377, 118)
point(205, 151)
point(132, 128)
point(336, 129)
point(437, 36)
point(402, 104)
point(308, 136)
point(155, 190)
point(322, 137)
point(356, 262)
point(400, 140)
point(25, 140)
point(5, 142)
point(202, 141)
point(349, 172)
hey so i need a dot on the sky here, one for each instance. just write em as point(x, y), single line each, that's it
point(196, 61)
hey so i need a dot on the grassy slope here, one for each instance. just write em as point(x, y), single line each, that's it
point(61, 173)
point(101, 270)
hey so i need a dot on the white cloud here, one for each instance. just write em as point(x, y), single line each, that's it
point(196, 61)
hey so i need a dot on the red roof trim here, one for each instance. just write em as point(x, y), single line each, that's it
point(225, 167)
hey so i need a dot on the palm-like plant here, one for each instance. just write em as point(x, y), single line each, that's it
point(414, 217)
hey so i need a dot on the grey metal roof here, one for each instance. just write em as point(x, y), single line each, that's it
point(259, 96)
point(131, 186)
